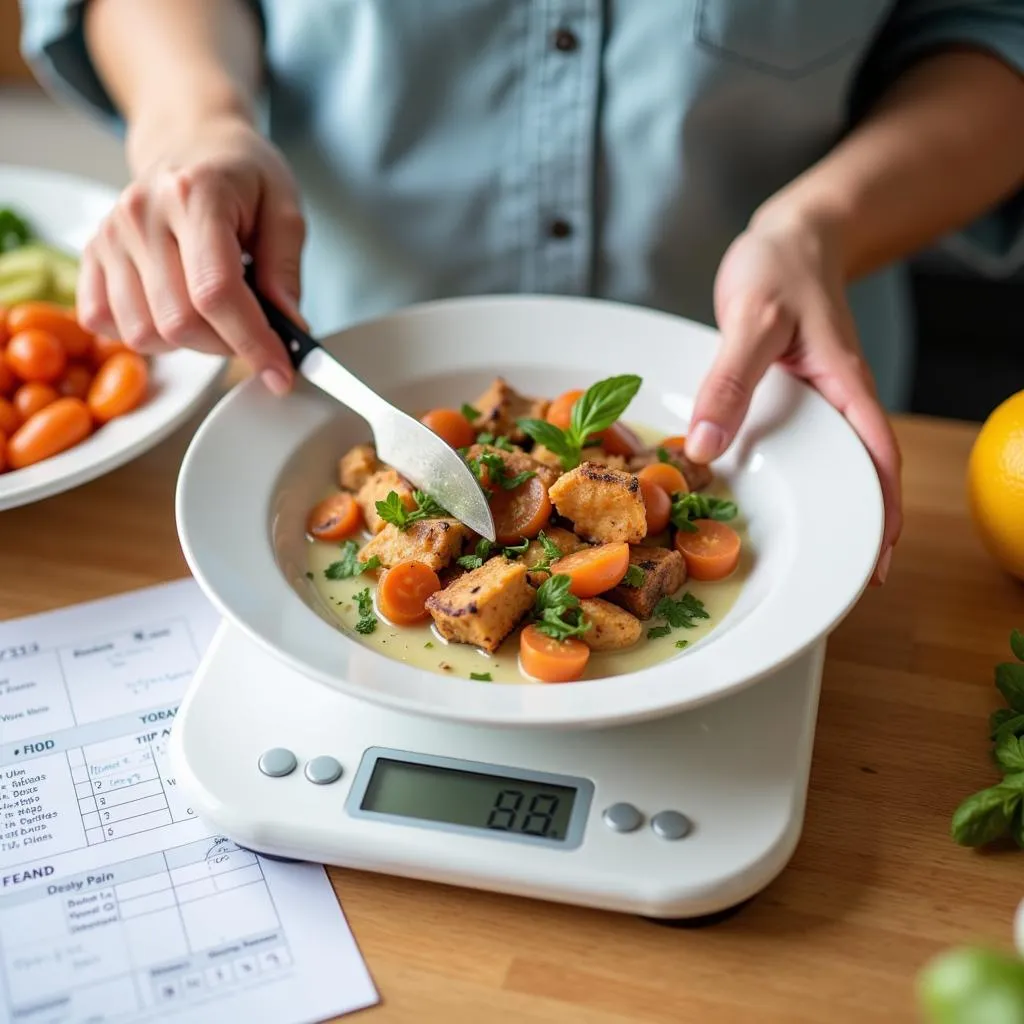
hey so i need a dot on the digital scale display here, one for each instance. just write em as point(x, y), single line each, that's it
point(458, 796)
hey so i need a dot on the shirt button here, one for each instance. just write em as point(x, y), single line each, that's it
point(560, 229)
point(565, 40)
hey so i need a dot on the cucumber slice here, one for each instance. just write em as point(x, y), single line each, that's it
point(29, 286)
point(38, 271)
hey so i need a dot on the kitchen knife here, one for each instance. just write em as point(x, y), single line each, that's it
point(414, 450)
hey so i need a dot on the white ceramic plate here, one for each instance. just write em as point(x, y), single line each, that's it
point(801, 477)
point(65, 212)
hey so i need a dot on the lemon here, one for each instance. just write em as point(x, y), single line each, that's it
point(995, 484)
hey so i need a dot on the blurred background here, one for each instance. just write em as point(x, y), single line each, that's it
point(970, 330)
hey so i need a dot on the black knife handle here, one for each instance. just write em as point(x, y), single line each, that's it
point(298, 344)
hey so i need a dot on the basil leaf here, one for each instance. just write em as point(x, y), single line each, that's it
point(663, 455)
point(1009, 754)
point(983, 817)
point(470, 562)
point(469, 412)
point(514, 550)
point(1017, 644)
point(999, 718)
point(1012, 726)
point(658, 631)
point(602, 404)
point(1010, 683)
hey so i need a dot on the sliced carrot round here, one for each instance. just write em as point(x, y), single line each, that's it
point(711, 552)
point(334, 518)
point(549, 660)
point(675, 441)
point(592, 571)
point(560, 410)
point(666, 476)
point(10, 418)
point(403, 591)
point(451, 426)
point(658, 505)
point(522, 512)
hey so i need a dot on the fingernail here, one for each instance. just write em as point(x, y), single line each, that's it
point(275, 381)
point(883, 565)
point(705, 442)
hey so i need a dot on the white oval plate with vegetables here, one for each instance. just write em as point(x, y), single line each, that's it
point(72, 407)
point(625, 584)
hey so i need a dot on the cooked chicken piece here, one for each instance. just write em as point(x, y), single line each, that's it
point(376, 488)
point(435, 542)
point(568, 543)
point(357, 465)
point(500, 406)
point(516, 462)
point(604, 505)
point(611, 628)
point(541, 454)
point(697, 477)
point(664, 573)
point(602, 458)
point(483, 606)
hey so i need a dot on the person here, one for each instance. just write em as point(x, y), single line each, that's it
point(763, 165)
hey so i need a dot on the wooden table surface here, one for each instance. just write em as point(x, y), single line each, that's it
point(874, 889)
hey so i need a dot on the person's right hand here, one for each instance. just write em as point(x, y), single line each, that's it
point(165, 269)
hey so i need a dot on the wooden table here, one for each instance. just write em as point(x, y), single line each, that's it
point(874, 890)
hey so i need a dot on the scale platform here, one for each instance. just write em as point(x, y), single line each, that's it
point(681, 818)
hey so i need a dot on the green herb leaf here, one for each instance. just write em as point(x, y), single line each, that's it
point(985, 816)
point(512, 551)
point(681, 613)
point(663, 455)
point(552, 552)
point(482, 553)
point(501, 441)
point(655, 632)
point(696, 505)
point(601, 405)
point(634, 577)
point(557, 612)
point(1017, 644)
point(1009, 754)
point(349, 565)
point(391, 509)
point(1013, 726)
point(429, 644)
point(999, 718)
point(1010, 683)
point(14, 230)
point(682, 643)
point(366, 626)
point(367, 619)
point(553, 438)
point(469, 412)
point(498, 472)
point(481, 677)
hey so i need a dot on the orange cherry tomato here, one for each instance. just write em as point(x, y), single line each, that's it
point(61, 425)
point(549, 660)
point(3, 451)
point(658, 505)
point(119, 386)
point(75, 382)
point(592, 571)
point(32, 397)
point(103, 348)
point(55, 320)
point(560, 410)
point(403, 591)
point(334, 518)
point(4, 332)
point(35, 355)
point(10, 418)
point(711, 552)
point(618, 439)
point(451, 426)
point(522, 512)
point(666, 476)
point(8, 382)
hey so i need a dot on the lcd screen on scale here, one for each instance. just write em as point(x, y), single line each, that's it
point(469, 799)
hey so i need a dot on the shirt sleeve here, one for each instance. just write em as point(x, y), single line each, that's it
point(994, 243)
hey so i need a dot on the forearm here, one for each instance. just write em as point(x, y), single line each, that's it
point(945, 144)
point(169, 63)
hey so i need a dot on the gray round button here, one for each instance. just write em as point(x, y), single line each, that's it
point(277, 762)
point(622, 817)
point(323, 770)
point(671, 825)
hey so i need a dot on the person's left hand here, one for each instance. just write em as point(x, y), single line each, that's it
point(779, 297)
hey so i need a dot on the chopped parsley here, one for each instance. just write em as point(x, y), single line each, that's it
point(469, 412)
point(658, 631)
point(681, 613)
point(557, 612)
point(392, 509)
point(695, 505)
point(481, 677)
point(497, 471)
point(367, 618)
point(682, 643)
point(349, 564)
point(429, 644)
point(515, 550)
point(663, 455)
point(501, 441)
point(634, 577)
point(483, 551)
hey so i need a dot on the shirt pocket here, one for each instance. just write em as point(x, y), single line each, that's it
point(786, 38)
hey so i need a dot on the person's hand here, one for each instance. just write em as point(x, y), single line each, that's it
point(779, 297)
point(165, 269)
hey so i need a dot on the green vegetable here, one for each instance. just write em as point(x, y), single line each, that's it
point(663, 455)
point(498, 471)
point(1009, 754)
point(367, 618)
point(36, 271)
point(474, 561)
point(481, 677)
point(349, 565)
point(515, 550)
point(972, 986)
point(700, 506)
point(1017, 644)
point(656, 632)
point(595, 410)
point(681, 613)
point(469, 412)
point(391, 509)
point(634, 577)
point(501, 441)
point(428, 644)
point(556, 611)
point(1010, 683)
point(14, 230)
point(682, 643)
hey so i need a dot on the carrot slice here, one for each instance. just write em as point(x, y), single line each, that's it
point(334, 518)
point(451, 426)
point(592, 571)
point(522, 512)
point(666, 476)
point(675, 441)
point(658, 505)
point(710, 553)
point(560, 410)
point(549, 660)
point(403, 591)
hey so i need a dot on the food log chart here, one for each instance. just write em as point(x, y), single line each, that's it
point(116, 903)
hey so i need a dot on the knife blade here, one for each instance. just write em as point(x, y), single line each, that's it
point(430, 464)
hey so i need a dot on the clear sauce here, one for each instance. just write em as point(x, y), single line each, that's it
point(421, 646)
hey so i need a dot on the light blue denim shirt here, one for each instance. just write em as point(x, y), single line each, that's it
point(587, 147)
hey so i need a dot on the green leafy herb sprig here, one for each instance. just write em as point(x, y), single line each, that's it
point(391, 509)
point(14, 230)
point(485, 549)
point(497, 471)
point(679, 613)
point(557, 612)
point(349, 564)
point(695, 505)
point(595, 410)
point(367, 617)
point(998, 811)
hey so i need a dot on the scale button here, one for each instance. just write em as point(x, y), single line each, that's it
point(277, 762)
point(622, 817)
point(671, 825)
point(323, 770)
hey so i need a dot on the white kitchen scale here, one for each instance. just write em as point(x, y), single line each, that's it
point(683, 817)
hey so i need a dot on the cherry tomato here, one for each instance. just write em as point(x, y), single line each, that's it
point(75, 382)
point(119, 386)
point(104, 348)
point(4, 332)
point(61, 425)
point(55, 320)
point(8, 382)
point(35, 355)
point(10, 418)
point(32, 397)
point(3, 451)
